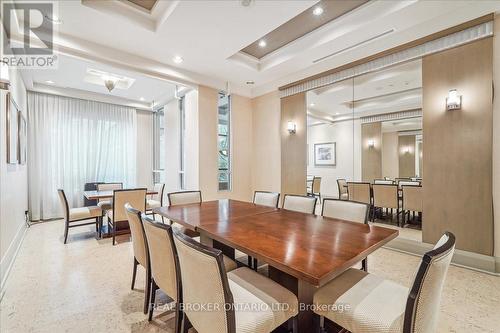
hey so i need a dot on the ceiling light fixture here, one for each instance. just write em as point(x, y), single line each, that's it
point(49, 82)
point(312, 105)
point(178, 59)
point(110, 84)
point(262, 43)
point(250, 82)
point(142, 99)
point(318, 11)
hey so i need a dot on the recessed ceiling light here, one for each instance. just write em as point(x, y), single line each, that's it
point(142, 98)
point(318, 11)
point(312, 105)
point(49, 82)
point(262, 43)
point(337, 113)
point(178, 59)
point(250, 82)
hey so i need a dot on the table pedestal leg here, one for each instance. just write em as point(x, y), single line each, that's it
point(227, 250)
point(304, 292)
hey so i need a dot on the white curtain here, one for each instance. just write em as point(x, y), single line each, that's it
point(72, 142)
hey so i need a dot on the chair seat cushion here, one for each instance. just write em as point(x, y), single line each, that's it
point(362, 302)
point(229, 264)
point(150, 204)
point(105, 205)
point(84, 213)
point(257, 301)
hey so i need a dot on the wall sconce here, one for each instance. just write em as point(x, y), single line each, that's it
point(291, 127)
point(454, 100)
point(371, 143)
point(407, 150)
point(4, 76)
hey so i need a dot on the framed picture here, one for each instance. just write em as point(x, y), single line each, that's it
point(12, 130)
point(325, 154)
point(23, 137)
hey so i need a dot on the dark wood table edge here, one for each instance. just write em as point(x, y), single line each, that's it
point(109, 197)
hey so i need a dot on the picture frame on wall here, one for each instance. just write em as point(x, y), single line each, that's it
point(12, 130)
point(325, 154)
point(23, 138)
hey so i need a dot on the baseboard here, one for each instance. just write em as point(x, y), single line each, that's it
point(470, 260)
point(10, 256)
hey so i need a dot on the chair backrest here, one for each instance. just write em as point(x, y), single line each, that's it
point(345, 210)
point(422, 305)
point(264, 198)
point(359, 192)
point(64, 203)
point(383, 181)
point(159, 187)
point(341, 185)
point(299, 203)
point(184, 198)
point(135, 197)
point(385, 196)
point(413, 198)
point(163, 257)
point(139, 243)
point(211, 287)
point(415, 179)
point(316, 185)
point(407, 183)
point(109, 186)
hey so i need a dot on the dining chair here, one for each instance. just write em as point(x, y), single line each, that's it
point(156, 200)
point(299, 203)
point(106, 204)
point(315, 188)
point(184, 198)
point(241, 300)
point(140, 247)
point(379, 305)
point(383, 181)
point(342, 187)
point(386, 196)
point(265, 198)
point(407, 183)
point(72, 215)
point(349, 211)
point(361, 192)
point(413, 201)
point(118, 215)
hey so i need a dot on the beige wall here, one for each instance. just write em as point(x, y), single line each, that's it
point(13, 183)
point(241, 146)
point(390, 159)
point(144, 148)
point(266, 155)
point(293, 146)
point(496, 139)
point(461, 141)
point(406, 159)
point(371, 157)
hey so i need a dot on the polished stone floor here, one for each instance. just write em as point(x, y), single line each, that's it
point(84, 286)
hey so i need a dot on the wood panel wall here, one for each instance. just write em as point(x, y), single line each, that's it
point(293, 146)
point(406, 159)
point(371, 157)
point(458, 147)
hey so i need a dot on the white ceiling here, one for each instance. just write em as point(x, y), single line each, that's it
point(408, 124)
point(209, 34)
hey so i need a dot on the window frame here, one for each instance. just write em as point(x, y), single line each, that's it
point(228, 137)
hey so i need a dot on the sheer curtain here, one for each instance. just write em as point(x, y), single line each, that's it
point(72, 142)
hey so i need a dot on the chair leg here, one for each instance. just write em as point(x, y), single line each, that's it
point(66, 228)
point(316, 323)
point(364, 264)
point(147, 290)
point(134, 272)
point(96, 225)
point(186, 324)
point(249, 262)
point(114, 232)
point(152, 298)
point(178, 318)
point(154, 218)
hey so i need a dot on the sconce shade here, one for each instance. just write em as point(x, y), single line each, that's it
point(371, 143)
point(454, 100)
point(292, 127)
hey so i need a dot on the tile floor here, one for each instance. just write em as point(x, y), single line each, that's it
point(84, 286)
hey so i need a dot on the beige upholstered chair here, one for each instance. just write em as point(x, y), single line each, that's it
point(118, 215)
point(402, 183)
point(299, 203)
point(165, 274)
point(412, 200)
point(106, 204)
point(260, 304)
point(140, 247)
point(378, 305)
point(386, 196)
point(264, 198)
point(342, 185)
point(79, 214)
point(184, 198)
point(349, 211)
point(383, 181)
point(315, 189)
point(359, 192)
point(156, 200)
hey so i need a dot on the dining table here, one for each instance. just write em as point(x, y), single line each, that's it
point(303, 251)
point(107, 194)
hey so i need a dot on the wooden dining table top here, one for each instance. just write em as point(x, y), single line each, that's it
point(96, 195)
point(309, 247)
point(192, 216)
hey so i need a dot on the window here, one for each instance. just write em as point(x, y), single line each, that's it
point(224, 142)
point(182, 140)
point(159, 146)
